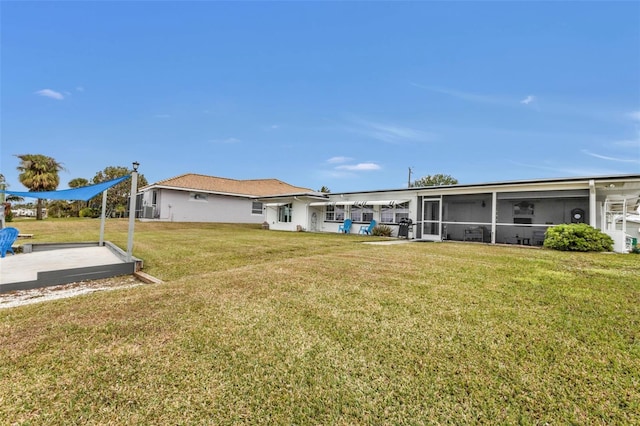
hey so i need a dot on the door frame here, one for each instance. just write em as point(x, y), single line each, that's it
point(422, 221)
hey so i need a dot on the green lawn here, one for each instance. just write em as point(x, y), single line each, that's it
point(266, 327)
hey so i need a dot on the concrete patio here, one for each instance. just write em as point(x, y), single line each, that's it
point(43, 265)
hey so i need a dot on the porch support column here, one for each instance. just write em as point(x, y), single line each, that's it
point(593, 220)
point(103, 217)
point(132, 210)
point(494, 215)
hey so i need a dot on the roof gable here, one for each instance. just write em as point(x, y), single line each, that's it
point(250, 187)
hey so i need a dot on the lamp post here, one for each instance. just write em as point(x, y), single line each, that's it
point(132, 209)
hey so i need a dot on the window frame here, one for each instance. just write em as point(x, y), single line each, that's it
point(257, 211)
point(285, 213)
point(329, 213)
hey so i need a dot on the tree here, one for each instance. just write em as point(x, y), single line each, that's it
point(118, 195)
point(324, 189)
point(39, 173)
point(78, 183)
point(435, 180)
point(8, 198)
point(60, 208)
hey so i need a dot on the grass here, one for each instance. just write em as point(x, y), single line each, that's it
point(266, 327)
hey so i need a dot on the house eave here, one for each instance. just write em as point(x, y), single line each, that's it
point(306, 195)
point(574, 182)
point(203, 191)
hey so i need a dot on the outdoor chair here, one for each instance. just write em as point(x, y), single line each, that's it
point(7, 237)
point(345, 228)
point(367, 229)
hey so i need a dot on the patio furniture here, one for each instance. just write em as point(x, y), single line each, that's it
point(7, 237)
point(473, 233)
point(345, 227)
point(367, 229)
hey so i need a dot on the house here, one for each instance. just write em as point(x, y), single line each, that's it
point(200, 198)
point(512, 212)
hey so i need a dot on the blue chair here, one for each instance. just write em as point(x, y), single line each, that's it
point(7, 237)
point(345, 228)
point(367, 229)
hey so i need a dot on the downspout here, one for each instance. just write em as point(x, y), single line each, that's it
point(593, 220)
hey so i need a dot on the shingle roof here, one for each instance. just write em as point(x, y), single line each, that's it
point(251, 187)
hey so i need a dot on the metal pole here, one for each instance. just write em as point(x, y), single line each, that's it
point(132, 210)
point(2, 224)
point(103, 217)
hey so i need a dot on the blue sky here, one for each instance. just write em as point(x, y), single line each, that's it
point(343, 94)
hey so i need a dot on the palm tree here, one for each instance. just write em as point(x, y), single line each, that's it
point(39, 173)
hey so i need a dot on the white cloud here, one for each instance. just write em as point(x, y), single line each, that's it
point(634, 115)
point(528, 100)
point(79, 89)
point(604, 157)
point(48, 93)
point(336, 160)
point(359, 167)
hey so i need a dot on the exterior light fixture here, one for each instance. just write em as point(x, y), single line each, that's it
point(135, 166)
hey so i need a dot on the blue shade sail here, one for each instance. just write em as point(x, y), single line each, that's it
point(84, 193)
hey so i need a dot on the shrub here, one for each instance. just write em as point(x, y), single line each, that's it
point(577, 237)
point(89, 212)
point(381, 231)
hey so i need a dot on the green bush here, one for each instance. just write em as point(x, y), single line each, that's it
point(381, 231)
point(577, 237)
point(89, 212)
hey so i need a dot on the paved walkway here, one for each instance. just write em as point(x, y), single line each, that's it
point(25, 266)
point(388, 243)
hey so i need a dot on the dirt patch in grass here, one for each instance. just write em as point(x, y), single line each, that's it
point(27, 297)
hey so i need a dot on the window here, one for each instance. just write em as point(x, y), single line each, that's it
point(330, 213)
point(356, 214)
point(386, 214)
point(256, 207)
point(402, 211)
point(284, 213)
point(154, 197)
point(361, 213)
point(340, 213)
point(394, 214)
point(367, 213)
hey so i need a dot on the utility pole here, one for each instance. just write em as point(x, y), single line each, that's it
point(409, 181)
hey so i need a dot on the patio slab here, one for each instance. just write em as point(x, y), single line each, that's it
point(46, 265)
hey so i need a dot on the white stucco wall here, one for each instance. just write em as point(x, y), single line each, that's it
point(298, 217)
point(181, 206)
